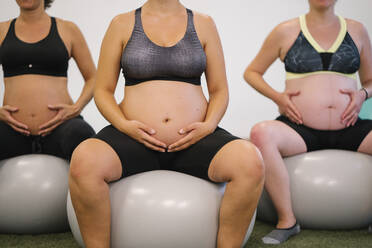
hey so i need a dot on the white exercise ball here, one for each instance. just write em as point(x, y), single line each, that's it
point(162, 209)
point(33, 190)
point(330, 189)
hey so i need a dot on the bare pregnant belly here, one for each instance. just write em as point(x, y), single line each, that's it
point(320, 102)
point(32, 94)
point(165, 106)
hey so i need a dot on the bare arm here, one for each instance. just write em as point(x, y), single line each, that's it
point(351, 113)
point(116, 36)
point(81, 54)
point(107, 75)
point(272, 49)
point(217, 86)
point(84, 61)
point(216, 76)
point(365, 71)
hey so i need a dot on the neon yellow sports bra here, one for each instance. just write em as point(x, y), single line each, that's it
point(306, 57)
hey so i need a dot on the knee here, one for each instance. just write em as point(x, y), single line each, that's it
point(80, 161)
point(85, 162)
point(261, 134)
point(251, 165)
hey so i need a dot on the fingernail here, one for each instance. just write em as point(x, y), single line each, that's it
point(182, 131)
point(152, 131)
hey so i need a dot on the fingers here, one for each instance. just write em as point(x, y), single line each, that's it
point(181, 144)
point(153, 147)
point(20, 130)
point(351, 119)
point(146, 129)
point(10, 108)
point(14, 122)
point(294, 114)
point(154, 142)
point(51, 123)
point(56, 106)
point(48, 130)
point(348, 113)
point(347, 91)
point(291, 93)
point(188, 129)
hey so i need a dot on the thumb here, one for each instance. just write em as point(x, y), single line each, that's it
point(147, 129)
point(187, 129)
point(346, 91)
point(291, 93)
point(10, 108)
point(55, 107)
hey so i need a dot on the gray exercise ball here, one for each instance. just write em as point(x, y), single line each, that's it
point(162, 209)
point(33, 190)
point(330, 189)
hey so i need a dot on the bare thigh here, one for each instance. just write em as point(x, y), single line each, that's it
point(366, 145)
point(276, 134)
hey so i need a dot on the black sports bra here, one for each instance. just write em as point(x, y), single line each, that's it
point(142, 60)
point(48, 56)
point(306, 57)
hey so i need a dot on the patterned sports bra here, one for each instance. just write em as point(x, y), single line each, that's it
point(306, 57)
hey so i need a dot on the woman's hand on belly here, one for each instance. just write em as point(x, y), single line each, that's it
point(6, 116)
point(64, 113)
point(350, 115)
point(194, 132)
point(144, 134)
point(287, 107)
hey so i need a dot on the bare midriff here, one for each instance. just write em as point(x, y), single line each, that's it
point(32, 94)
point(320, 102)
point(165, 106)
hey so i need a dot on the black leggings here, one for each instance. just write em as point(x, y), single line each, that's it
point(61, 142)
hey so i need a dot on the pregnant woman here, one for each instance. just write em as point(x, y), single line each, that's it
point(319, 108)
point(164, 120)
point(38, 114)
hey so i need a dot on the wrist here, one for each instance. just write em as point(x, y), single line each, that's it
point(364, 92)
point(210, 126)
point(276, 97)
point(77, 108)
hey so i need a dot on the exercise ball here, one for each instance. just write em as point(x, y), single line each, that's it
point(33, 190)
point(330, 189)
point(162, 209)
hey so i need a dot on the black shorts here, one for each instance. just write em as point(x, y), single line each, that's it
point(348, 138)
point(61, 142)
point(136, 157)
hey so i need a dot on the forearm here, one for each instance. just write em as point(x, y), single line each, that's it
point(86, 94)
point(217, 106)
point(109, 108)
point(256, 80)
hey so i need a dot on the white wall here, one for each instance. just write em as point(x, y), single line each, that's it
point(242, 24)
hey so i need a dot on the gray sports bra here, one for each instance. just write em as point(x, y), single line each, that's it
point(142, 60)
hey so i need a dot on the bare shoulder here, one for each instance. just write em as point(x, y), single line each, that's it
point(358, 32)
point(123, 24)
point(4, 26)
point(205, 27)
point(287, 28)
point(203, 20)
point(68, 28)
point(356, 27)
